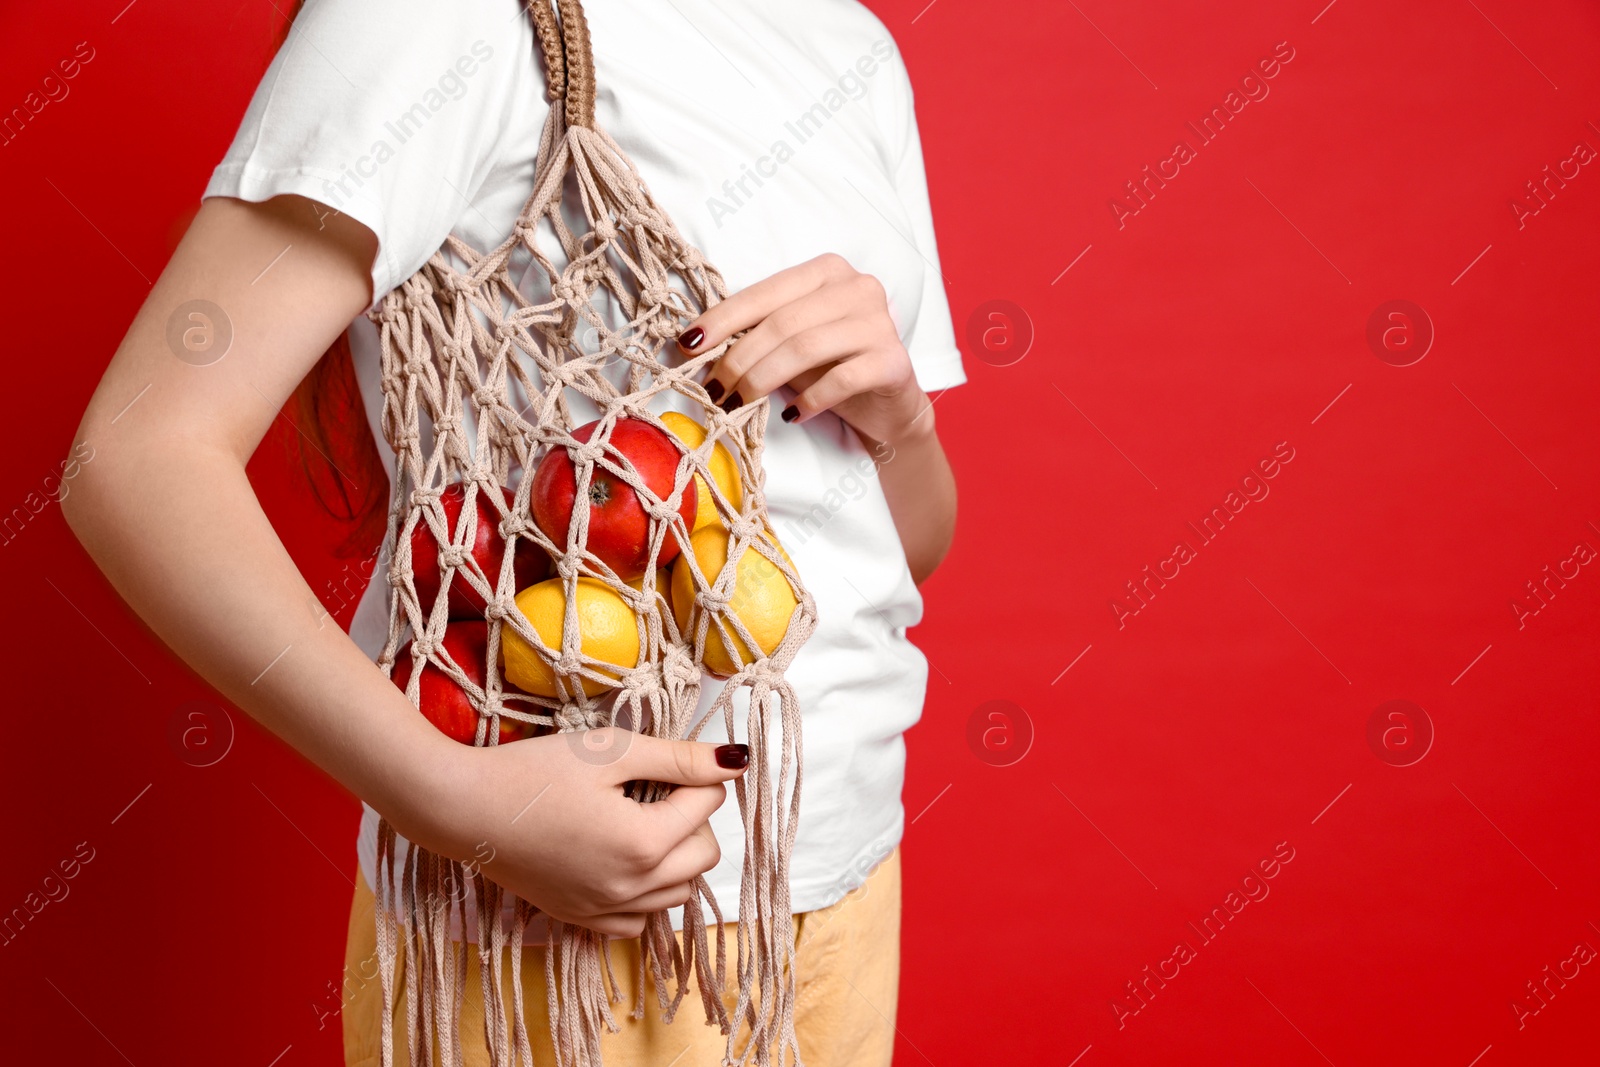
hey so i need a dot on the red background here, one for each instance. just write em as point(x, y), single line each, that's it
point(1180, 748)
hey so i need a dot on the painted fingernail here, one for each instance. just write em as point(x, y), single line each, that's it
point(791, 413)
point(734, 400)
point(691, 338)
point(714, 390)
point(733, 757)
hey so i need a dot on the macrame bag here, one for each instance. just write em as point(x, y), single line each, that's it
point(477, 386)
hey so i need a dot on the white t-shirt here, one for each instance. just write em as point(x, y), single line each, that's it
point(770, 132)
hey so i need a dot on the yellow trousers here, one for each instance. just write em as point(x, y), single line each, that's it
point(847, 969)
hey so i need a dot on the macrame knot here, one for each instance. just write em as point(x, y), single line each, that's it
point(586, 451)
point(424, 497)
point(453, 556)
point(569, 661)
point(662, 511)
point(640, 600)
point(566, 567)
point(640, 684)
point(571, 717)
point(744, 530)
point(591, 269)
point(710, 601)
point(514, 524)
point(500, 607)
point(505, 331)
point(678, 668)
point(763, 670)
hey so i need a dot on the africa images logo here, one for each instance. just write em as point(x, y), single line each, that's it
point(849, 86)
point(1253, 88)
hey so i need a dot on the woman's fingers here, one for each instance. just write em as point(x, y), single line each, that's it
point(672, 896)
point(692, 857)
point(649, 889)
point(673, 818)
point(617, 924)
point(833, 302)
point(811, 349)
point(654, 759)
point(754, 303)
point(845, 380)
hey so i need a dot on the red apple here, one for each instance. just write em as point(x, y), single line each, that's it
point(619, 525)
point(443, 702)
point(488, 549)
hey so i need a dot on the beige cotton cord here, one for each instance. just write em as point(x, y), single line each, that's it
point(457, 344)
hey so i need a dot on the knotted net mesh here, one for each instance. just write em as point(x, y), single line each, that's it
point(479, 383)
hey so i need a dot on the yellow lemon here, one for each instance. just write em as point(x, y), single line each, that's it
point(762, 598)
point(723, 470)
point(605, 623)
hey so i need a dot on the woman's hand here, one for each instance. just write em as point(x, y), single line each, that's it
point(823, 329)
point(548, 819)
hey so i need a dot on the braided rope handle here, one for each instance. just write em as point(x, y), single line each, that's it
point(568, 57)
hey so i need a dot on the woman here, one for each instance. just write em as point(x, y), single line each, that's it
point(781, 138)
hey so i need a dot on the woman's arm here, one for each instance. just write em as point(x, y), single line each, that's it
point(167, 512)
point(921, 490)
point(824, 329)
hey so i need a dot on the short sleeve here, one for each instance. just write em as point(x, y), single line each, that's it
point(931, 342)
point(389, 113)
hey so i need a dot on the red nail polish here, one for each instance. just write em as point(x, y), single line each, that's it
point(791, 413)
point(734, 400)
point(733, 757)
point(714, 390)
point(691, 338)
